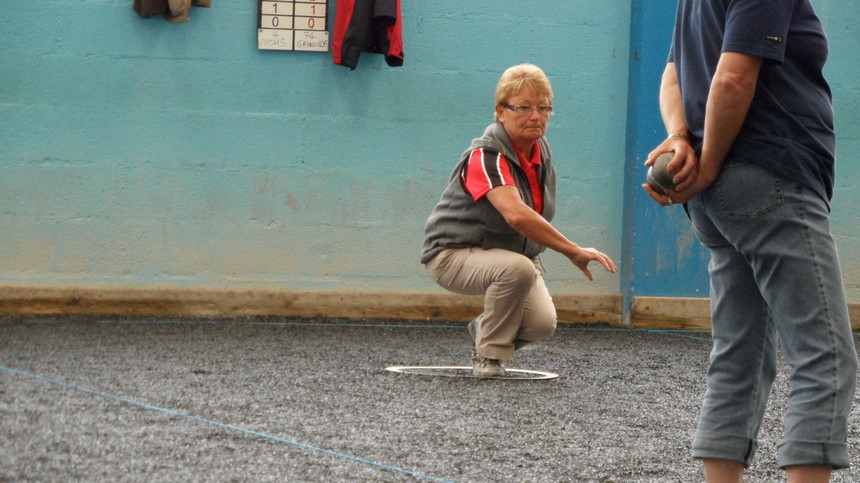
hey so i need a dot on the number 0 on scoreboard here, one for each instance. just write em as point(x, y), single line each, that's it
point(293, 25)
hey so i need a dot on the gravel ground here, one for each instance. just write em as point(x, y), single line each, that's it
point(281, 399)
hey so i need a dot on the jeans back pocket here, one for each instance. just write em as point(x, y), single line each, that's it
point(746, 190)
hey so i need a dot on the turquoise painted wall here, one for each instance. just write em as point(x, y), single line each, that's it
point(842, 20)
point(138, 153)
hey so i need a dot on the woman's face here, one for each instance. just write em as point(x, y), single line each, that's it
point(524, 126)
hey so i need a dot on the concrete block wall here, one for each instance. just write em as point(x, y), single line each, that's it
point(137, 154)
point(842, 21)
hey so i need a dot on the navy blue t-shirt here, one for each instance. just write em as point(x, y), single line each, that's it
point(789, 127)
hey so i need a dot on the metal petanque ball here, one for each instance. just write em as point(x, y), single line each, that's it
point(659, 178)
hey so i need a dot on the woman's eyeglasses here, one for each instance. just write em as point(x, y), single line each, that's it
point(526, 110)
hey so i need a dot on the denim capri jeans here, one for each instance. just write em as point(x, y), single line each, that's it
point(776, 286)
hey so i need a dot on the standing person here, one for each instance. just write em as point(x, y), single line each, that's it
point(493, 220)
point(749, 117)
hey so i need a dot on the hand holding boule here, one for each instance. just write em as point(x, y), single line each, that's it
point(659, 178)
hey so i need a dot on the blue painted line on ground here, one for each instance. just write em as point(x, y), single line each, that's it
point(160, 321)
point(672, 332)
point(220, 424)
point(453, 325)
point(325, 324)
point(683, 333)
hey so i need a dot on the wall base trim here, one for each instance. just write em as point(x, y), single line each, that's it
point(682, 313)
point(689, 313)
point(200, 302)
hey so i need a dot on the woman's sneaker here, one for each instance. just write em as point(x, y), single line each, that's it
point(484, 367)
point(473, 331)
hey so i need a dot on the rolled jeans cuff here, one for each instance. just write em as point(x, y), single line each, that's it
point(718, 446)
point(794, 453)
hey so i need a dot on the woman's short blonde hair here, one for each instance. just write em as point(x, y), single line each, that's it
point(515, 78)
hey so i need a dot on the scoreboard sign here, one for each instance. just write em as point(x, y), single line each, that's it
point(293, 25)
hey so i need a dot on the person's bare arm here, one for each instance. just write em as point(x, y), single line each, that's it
point(531, 225)
point(685, 162)
point(729, 99)
point(671, 105)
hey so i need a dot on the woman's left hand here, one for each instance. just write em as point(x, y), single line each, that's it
point(584, 256)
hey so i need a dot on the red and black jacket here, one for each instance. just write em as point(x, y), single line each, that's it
point(367, 26)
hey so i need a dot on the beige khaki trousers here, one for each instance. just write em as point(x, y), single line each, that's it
point(517, 305)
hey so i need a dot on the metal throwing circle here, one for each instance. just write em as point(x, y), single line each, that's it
point(466, 372)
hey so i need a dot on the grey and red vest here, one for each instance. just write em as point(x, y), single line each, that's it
point(458, 221)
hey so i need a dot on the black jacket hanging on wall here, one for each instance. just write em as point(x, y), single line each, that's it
point(367, 26)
